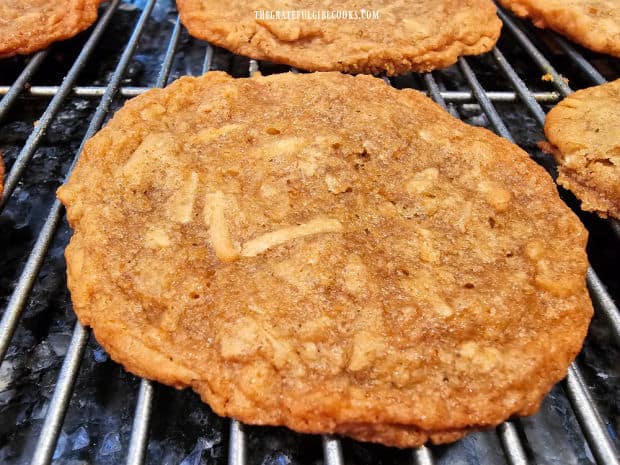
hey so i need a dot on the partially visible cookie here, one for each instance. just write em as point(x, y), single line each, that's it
point(406, 36)
point(584, 130)
point(1, 177)
point(30, 25)
point(595, 24)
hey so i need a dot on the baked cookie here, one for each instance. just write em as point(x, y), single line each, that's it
point(583, 130)
point(328, 253)
point(407, 36)
point(595, 24)
point(1, 177)
point(30, 25)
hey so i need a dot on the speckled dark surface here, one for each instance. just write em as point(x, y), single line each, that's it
point(183, 430)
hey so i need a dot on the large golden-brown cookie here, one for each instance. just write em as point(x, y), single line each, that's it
point(30, 25)
point(406, 36)
point(584, 130)
point(328, 253)
point(595, 24)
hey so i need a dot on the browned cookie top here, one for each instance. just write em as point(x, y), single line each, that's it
point(328, 253)
point(30, 25)
point(407, 36)
point(595, 24)
point(584, 129)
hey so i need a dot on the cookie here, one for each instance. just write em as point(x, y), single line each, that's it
point(585, 141)
point(1, 177)
point(594, 24)
point(328, 253)
point(30, 25)
point(406, 36)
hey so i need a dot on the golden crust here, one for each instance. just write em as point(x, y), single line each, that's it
point(327, 253)
point(30, 25)
point(418, 36)
point(595, 24)
point(583, 131)
point(398, 435)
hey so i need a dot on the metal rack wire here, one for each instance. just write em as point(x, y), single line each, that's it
point(593, 427)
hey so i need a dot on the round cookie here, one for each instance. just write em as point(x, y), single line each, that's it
point(594, 24)
point(327, 253)
point(583, 131)
point(30, 25)
point(407, 36)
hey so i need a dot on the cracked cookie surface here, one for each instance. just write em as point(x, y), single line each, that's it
point(584, 133)
point(594, 24)
point(407, 36)
point(30, 25)
point(327, 253)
